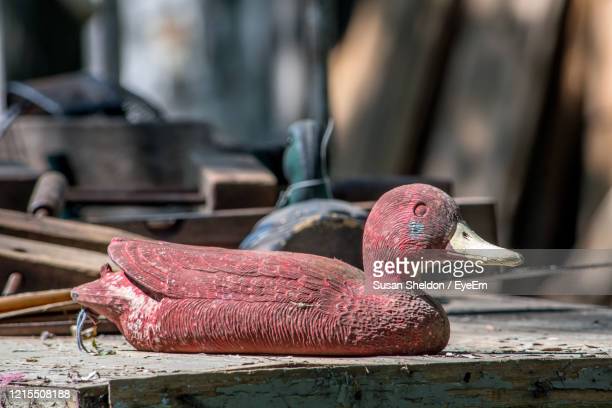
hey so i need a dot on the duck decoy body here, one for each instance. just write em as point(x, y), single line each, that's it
point(177, 298)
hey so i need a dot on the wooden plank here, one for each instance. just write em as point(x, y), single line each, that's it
point(55, 327)
point(60, 325)
point(224, 228)
point(118, 196)
point(62, 360)
point(597, 139)
point(16, 182)
point(559, 383)
point(26, 301)
point(52, 230)
point(399, 46)
point(539, 357)
point(492, 99)
point(227, 228)
point(349, 189)
point(103, 151)
point(236, 181)
point(372, 188)
point(48, 266)
point(21, 321)
point(552, 193)
point(65, 306)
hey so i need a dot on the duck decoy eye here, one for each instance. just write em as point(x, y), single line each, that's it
point(420, 209)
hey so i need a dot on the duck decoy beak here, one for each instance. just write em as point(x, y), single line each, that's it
point(467, 244)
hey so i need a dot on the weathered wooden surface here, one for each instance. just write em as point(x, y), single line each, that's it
point(47, 266)
point(503, 352)
point(56, 231)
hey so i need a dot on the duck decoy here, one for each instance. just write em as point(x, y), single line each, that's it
point(307, 214)
point(177, 298)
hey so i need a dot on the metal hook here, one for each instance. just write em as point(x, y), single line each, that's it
point(81, 318)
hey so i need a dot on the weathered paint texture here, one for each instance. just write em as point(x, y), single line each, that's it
point(178, 298)
point(407, 220)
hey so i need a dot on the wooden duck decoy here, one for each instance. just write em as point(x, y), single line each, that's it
point(307, 213)
point(177, 298)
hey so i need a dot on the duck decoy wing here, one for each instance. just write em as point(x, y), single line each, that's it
point(182, 271)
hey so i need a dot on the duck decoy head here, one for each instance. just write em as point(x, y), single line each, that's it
point(412, 218)
point(108, 296)
point(305, 161)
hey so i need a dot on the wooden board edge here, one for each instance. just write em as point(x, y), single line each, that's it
point(529, 381)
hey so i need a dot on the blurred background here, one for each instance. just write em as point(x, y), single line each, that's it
point(506, 99)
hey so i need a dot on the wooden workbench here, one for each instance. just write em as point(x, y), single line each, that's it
point(503, 352)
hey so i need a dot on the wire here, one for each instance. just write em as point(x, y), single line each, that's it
point(329, 130)
point(284, 196)
point(81, 318)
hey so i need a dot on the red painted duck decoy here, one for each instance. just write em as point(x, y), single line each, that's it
point(178, 298)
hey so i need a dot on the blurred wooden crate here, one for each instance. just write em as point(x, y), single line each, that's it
point(16, 184)
point(111, 153)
